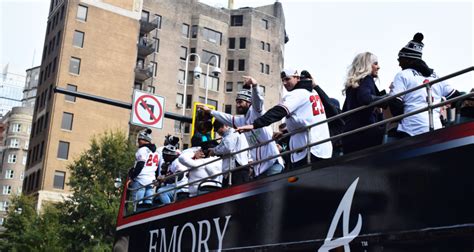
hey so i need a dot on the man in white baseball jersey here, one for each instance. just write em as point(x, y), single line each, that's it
point(143, 173)
point(169, 165)
point(249, 104)
point(302, 107)
point(416, 72)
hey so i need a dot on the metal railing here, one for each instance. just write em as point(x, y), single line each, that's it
point(428, 108)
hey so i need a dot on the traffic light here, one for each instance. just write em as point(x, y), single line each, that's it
point(202, 124)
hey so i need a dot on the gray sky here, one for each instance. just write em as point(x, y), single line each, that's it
point(324, 35)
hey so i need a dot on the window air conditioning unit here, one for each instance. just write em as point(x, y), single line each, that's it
point(179, 105)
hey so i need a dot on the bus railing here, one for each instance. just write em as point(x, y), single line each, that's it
point(385, 100)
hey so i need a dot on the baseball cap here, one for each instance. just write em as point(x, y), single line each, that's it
point(288, 72)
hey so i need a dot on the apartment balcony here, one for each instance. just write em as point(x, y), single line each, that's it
point(143, 73)
point(148, 26)
point(146, 47)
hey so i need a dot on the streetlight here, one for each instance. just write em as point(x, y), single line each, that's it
point(197, 74)
point(215, 71)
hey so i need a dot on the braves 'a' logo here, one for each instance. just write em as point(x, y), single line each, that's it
point(343, 210)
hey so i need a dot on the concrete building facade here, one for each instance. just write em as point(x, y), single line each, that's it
point(109, 48)
point(16, 137)
point(31, 85)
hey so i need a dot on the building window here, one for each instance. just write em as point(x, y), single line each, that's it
point(268, 46)
point(66, 122)
point(9, 174)
point(230, 65)
point(193, 50)
point(231, 43)
point(228, 87)
point(179, 100)
point(4, 205)
point(262, 44)
point(212, 36)
point(16, 127)
point(194, 31)
point(243, 43)
point(267, 69)
point(70, 98)
point(12, 158)
point(181, 76)
point(263, 89)
point(145, 16)
point(59, 177)
point(14, 143)
point(74, 65)
point(241, 65)
point(236, 20)
point(22, 175)
point(213, 83)
point(27, 145)
point(206, 58)
point(24, 160)
point(183, 53)
point(209, 101)
point(63, 150)
point(7, 189)
point(137, 85)
point(240, 85)
point(264, 24)
point(78, 39)
point(228, 109)
point(187, 128)
point(177, 126)
point(185, 30)
point(189, 101)
point(82, 13)
point(262, 67)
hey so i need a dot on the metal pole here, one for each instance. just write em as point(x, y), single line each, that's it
point(207, 75)
point(430, 109)
point(184, 92)
point(308, 142)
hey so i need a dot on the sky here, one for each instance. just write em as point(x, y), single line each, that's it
point(325, 36)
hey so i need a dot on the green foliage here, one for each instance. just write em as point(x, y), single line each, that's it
point(85, 221)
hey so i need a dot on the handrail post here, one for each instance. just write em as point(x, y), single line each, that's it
point(231, 168)
point(175, 192)
point(430, 109)
point(308, 144)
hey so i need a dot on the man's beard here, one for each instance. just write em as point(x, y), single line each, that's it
point(242, 111)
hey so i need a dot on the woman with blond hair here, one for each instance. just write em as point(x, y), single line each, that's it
point(360, 90)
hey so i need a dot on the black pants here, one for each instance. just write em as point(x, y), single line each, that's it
point(304, 161)
point(361, 140)
point(239, 176)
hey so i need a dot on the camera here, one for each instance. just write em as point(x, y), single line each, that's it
point(216, 71)
point(197, 75)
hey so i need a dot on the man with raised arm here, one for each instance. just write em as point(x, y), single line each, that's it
point(249, 105)
point(302, 107)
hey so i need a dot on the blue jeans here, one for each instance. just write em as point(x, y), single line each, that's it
point(274, 169)
point(166, 197)
point(142, 193)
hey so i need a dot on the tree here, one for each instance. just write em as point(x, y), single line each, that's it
point(93, 207)
point(85, 221)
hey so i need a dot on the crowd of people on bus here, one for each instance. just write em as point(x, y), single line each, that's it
point(304, 104)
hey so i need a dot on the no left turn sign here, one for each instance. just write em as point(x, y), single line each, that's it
point(147, 109)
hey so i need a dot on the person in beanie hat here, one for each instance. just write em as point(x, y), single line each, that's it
point(248, 110)
point(169, 165)
point(415, 72)
point(142, 175)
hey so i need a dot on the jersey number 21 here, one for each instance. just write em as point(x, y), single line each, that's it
point(317, 104)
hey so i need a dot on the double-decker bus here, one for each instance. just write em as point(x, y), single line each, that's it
point(410, 194)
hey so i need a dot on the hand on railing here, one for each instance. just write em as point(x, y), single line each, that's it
point(277, 135)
